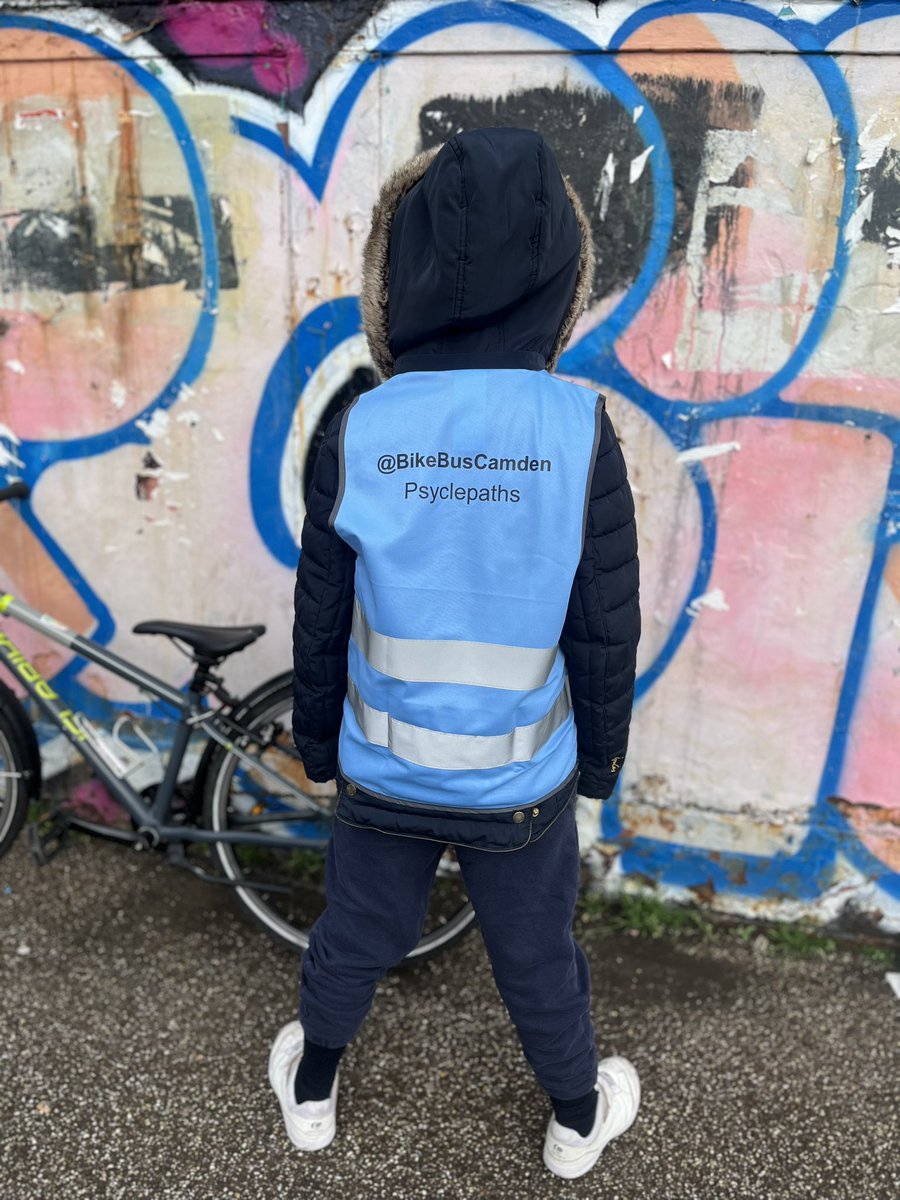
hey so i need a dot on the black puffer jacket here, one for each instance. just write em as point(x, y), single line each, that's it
point(437, 221)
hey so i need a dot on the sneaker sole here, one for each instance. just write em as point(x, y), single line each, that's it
point(298, 1138)
point(301, 1141)
point(634, 1087)
point(580, 1166)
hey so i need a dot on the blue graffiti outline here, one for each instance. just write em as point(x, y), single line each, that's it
point(264, 485)
point(595, 356)
point(320, 332)
point(315, 174)
point(265, 500)
point(264, 489)
point(677, 863)
point(39, 454)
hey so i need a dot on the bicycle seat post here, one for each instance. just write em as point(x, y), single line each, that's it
point(203, 680)
point(206, 680)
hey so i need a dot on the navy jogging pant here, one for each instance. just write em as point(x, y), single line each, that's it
point(377, 889)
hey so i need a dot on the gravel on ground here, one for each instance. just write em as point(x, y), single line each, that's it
point(137, 1009)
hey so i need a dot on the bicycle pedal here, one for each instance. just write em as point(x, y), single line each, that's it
point(48, 837)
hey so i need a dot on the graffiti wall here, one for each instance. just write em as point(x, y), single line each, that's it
point(184, 194)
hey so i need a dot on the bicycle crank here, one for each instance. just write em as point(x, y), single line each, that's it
point(176, 857)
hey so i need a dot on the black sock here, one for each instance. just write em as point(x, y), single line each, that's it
point(577, 1114)
point(316, 1072)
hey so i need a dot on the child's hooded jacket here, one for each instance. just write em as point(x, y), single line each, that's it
point(466, 609)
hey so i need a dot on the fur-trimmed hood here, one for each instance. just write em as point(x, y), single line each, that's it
point(480, 254)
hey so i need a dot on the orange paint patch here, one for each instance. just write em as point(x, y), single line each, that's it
point(879, 833)
point(892, 575)
point(87, 375)
point(90, 358)
point(44, 64)
point(25, 559)
point(31, 575)
point(679, 46)
point(872, 392)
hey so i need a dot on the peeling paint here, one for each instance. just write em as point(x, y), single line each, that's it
point(636, 168)
point(872, 147)
point(714, 600)
point(181, 242)
point(698, 453)
point(817, 147)
point(605, 185)
point(8, 457)
point(156, 425)
point(854, 231)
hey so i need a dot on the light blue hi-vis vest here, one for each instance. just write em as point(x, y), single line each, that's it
point(464, 495)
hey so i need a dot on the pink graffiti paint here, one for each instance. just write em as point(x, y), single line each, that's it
point(870, 391)
point(36, 114)
point(745, 712)
point(225, 36)
point(92, 801)
point(868, 785)
point(282, 68)
point(790, 550)
point(71, 364)
point(687, 328)
point(653, 349)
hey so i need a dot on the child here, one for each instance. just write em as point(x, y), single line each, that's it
point(466, 625)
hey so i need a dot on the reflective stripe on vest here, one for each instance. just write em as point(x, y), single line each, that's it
point(464, 495)
point(457, 751)
point(480, 664)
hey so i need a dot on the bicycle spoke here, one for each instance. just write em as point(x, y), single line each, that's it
point(264, 789)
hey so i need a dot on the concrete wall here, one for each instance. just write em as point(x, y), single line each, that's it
point(185, 192)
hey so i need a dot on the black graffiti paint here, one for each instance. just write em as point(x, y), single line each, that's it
point(584, 128)
point(319, 29)
point(884, 180)
point(59, 249)
point(145, 485)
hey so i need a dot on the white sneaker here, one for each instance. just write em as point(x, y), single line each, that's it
point(566, 1152)
point(312, 1124)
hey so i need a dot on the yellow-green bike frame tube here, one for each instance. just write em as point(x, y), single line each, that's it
point(57, 632)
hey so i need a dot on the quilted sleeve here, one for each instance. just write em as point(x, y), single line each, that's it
point(603, 622)
point(323, 612)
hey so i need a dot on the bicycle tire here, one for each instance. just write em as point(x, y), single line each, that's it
point(20, 767)
point(275, 685)
point(450, 920)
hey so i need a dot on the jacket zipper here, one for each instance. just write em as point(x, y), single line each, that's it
point(432, 808)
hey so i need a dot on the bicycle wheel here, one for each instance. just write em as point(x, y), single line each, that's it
point(20, 767)
point(240, 796)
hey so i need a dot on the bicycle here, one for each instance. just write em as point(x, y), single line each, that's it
point(247, 801)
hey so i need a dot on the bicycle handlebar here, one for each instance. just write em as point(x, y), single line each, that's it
point(15, 491)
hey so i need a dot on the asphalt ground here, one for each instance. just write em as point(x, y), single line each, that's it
point(137, 1008)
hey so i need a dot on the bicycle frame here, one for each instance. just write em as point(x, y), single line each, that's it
point(150, 819)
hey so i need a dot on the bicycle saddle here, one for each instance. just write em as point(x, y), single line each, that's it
point(211, 641)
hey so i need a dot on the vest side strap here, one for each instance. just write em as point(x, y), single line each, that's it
point(457, 751)
point(477, 664)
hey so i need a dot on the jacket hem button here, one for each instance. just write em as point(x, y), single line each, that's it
point(518, 817)
point(350, 789)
